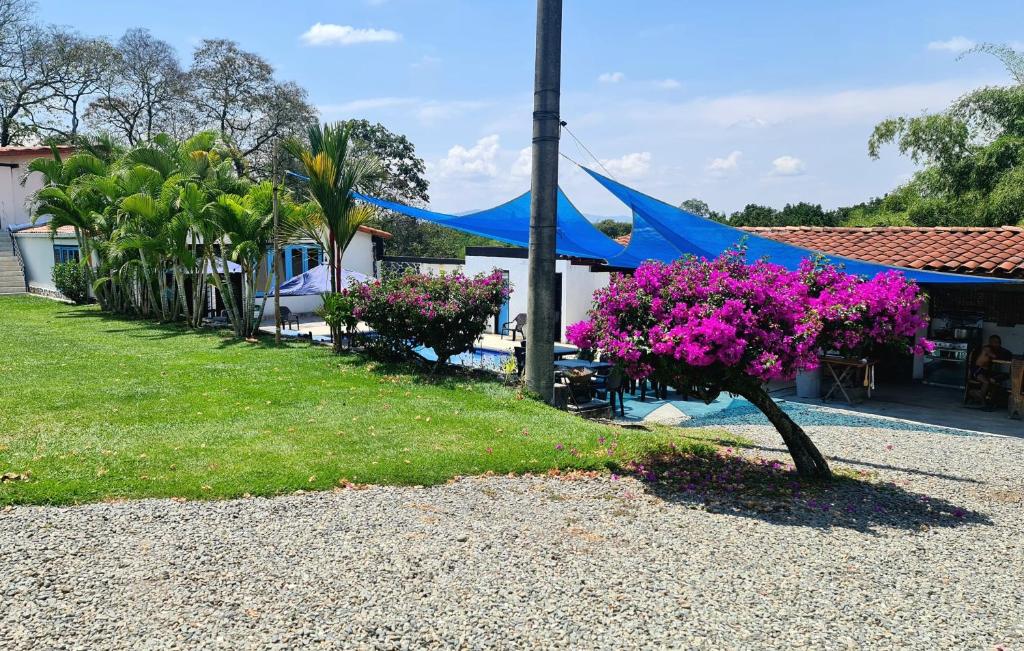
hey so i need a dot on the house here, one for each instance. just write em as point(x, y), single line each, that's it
point(14, 209)
point(962, 317)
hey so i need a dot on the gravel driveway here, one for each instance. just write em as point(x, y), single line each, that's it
point(936, 560)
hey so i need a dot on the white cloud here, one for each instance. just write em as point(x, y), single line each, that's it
point(727, 164)
point(478, 160)
point(787, 166)
point(630, 166)
point(524, 163)
point(669, 84)
point(331, 34)
point(956, 44)
point(611, 77)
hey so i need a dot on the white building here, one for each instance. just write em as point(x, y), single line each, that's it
point(576, 281)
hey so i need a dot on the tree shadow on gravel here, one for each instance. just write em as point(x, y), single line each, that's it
point(770, 490)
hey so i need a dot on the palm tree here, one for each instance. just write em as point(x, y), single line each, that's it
point(334, 171)
point(69, 197)
point(244, 233)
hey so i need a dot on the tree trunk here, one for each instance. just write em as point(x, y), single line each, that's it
point(332, 266)
point(809, 462)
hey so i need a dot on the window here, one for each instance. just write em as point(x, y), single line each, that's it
point(296, 259)
point(65, 253)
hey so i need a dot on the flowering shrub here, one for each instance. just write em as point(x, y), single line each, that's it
point(446, 313)
point(723, 324)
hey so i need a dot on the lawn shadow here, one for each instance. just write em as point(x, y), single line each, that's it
point(769, 490)
point(450, 376)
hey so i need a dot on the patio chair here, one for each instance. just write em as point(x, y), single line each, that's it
point(610, 382)
point(287, 318)
point(517, 324)
point(973, 387)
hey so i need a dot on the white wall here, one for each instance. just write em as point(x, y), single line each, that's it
point(517, 277)
point(436, 269)
point(12, 194)
point(359, 254)
point(578, 285)
point(37, 254)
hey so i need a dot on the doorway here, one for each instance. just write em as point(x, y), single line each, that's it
point(503, 315)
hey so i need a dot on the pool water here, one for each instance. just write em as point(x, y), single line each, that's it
point(485, 358)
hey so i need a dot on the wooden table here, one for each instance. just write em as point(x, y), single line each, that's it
point(845, 369)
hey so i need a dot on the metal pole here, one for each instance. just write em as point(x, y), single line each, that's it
point(277, 255)
point(541, 326)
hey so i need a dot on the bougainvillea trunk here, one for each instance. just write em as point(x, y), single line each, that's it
point(808, 460)
point(724, 324)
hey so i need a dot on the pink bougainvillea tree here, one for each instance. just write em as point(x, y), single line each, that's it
point(726, 325)
point(446, 312)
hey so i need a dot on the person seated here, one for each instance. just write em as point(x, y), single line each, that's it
point(985, 372)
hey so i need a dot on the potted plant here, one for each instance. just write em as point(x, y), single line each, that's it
point(580, 385)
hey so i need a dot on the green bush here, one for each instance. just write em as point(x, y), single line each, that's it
point(71, 281)
point(337, 312)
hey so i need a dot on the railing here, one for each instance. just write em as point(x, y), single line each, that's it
point(17, 254)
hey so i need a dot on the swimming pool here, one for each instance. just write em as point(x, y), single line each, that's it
point(485, 358)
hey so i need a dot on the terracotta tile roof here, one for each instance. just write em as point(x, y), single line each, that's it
point(63, 230)
point(623, 239)
point(375, 231)
point(30, 150)
point(988, 251)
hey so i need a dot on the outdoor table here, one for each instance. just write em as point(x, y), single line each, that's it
point(560, 352)
point(569, 364)
point(563, 351)
point(845, 371)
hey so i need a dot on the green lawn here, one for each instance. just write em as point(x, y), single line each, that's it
point(94, 408)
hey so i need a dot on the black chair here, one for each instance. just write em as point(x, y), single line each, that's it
point(610, 382)
point(287, 318)
point(520, 355)
point(517, 324)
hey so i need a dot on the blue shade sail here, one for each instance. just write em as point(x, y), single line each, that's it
point(661, 232)
point(510, 223)
point(704, 237)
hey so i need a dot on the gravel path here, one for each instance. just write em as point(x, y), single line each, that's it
point(543, 562)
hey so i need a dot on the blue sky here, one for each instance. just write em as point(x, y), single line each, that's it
point(732, 102)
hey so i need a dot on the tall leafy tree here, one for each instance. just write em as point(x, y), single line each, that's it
point(401, 177)
point(144, 95)
point(234, 92)
point(28, 69)
point(700, 207)
point(972, 155)
point(82, 68)
point(613, 227)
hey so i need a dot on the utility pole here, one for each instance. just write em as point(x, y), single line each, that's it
point(541, 326)
point(277, 253)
